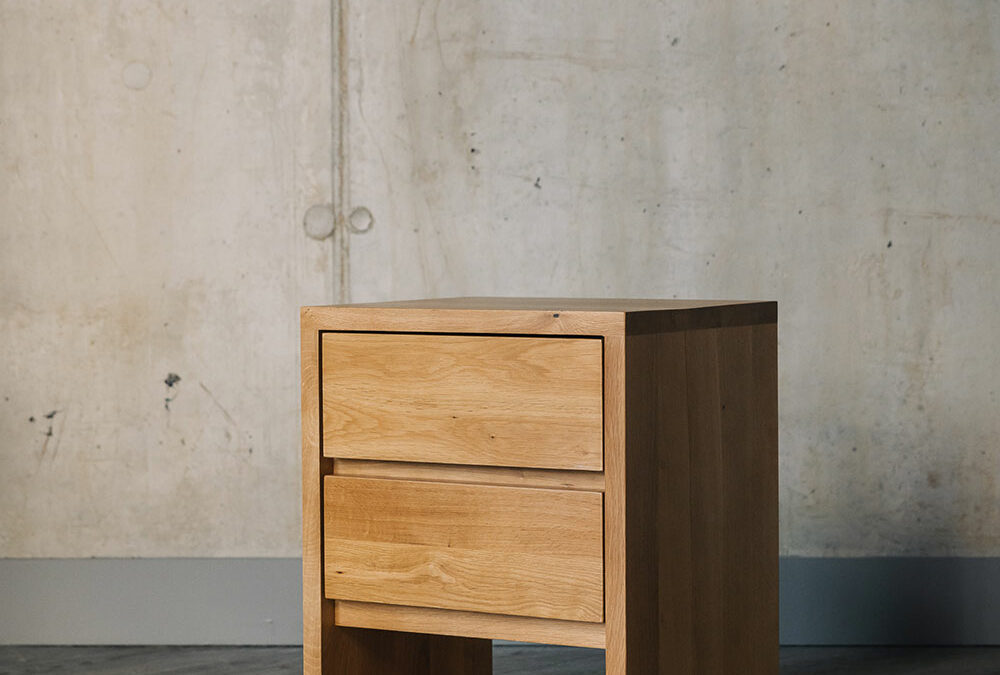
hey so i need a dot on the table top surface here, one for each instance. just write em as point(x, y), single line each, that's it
point(556, 304)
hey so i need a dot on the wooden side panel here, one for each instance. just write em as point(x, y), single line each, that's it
point(732, 397)
point(461, 399)
point(614, 505)
point(485, 548)
point(763, 551)
point(708, 548)
point(641, 446)
point(317, 613)
point(673, 468)
point(700, 505)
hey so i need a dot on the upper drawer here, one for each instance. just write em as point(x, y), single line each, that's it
point(463, 399)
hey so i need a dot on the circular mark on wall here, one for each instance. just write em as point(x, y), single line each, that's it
point(360, 220)
point(318, 221)
point(136, 75)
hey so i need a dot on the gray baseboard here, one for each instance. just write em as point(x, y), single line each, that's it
point(890, 601)
point(256, 601)
point(163, 601)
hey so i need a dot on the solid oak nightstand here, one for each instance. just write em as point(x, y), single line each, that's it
point(598, 473)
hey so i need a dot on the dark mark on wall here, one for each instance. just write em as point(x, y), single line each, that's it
point(48, 433)
point(473, 151)
point(31, 419)
point(673, 43)
point(170, 381)
point(50, 415)
point(556, 315)
point(889, 245)
point(538, 182)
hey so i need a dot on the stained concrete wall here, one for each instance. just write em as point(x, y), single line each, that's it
point(839, 157)
point(157, 159)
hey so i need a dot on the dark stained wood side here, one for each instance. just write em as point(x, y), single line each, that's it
point(641, 446)
point(700, 317)
point(764, 349)
point(732, 398)
point(457, 656)
point(708, 547)
point(701, 439)
point(360, 651)
point(675, 592)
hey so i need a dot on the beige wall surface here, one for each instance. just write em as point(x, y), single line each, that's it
point(157, 158)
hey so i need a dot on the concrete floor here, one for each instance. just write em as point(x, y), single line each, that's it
point(508, 660)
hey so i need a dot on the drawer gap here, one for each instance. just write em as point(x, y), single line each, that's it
point(591, 481)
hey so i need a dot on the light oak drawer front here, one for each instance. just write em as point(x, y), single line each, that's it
point(464, 399)
point(483, 548)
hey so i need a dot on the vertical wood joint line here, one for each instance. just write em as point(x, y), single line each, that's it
point(339, 118)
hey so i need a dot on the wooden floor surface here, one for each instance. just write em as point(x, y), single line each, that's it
point(508, 660)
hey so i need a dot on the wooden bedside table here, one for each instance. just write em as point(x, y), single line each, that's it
point(599, 473)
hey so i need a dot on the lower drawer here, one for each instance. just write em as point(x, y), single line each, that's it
point(483, 548)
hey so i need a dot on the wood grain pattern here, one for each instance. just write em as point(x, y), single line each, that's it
point(592, 481)
point(416, 320)
point(327, 648)
point(762, 551)
point(482, 400)
point(641, 455)
point(519, 551)
point(699, 511)
point(543, 316)
point(614, 504)
point(369, 652)
point(732, 419)
point(472, 624)
point(689, 554)
point(673, 505)
point(627, 305)
point(317, 613)
point(707, 502)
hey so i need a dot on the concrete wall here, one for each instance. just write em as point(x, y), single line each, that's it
point(157, 159)
point(839, 157)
